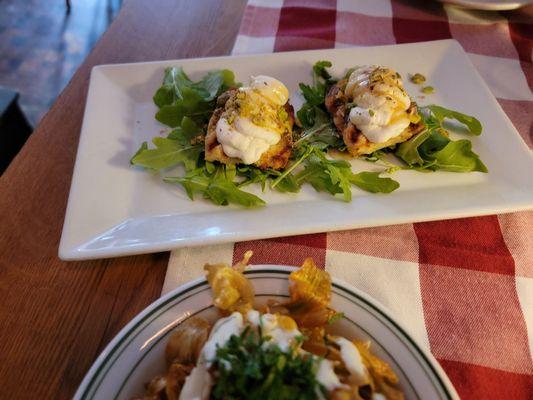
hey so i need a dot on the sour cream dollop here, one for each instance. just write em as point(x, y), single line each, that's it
point(220, 334)
point(272, 326)
point(380, 103)
point(326, 376)
point(198, 383)
point(352, 360)
point(242, 138)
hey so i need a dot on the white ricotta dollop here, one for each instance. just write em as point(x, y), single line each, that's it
point(352, 360)
point(380, 111)
point(243, 139)
point(270, 88)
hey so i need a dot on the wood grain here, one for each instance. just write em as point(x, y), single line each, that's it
point(55, 316)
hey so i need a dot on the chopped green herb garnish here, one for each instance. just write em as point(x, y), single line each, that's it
point(428, 89)
point(249, 370)
point(335, 317)
point(418, 78)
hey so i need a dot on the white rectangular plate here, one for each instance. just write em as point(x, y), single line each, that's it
point(115, 209)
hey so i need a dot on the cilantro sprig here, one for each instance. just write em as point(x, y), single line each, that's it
point(249, 370)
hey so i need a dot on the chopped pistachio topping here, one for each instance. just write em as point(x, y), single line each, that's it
point(428, 89)
point(371, 112)
point(418, 78)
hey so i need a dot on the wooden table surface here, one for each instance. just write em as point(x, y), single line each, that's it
point(56, 316)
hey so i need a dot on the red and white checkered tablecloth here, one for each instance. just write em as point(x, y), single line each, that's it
point(464, 287)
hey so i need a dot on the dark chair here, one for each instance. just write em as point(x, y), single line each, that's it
point(14, 127)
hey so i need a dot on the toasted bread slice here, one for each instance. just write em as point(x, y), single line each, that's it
point(276, 157)
point(357, 143)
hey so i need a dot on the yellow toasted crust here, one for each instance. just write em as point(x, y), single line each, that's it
point(357, 143)
point(276, 157)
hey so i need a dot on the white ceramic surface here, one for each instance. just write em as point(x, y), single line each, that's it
point(489, 5)
point(115, 209)
point(136, 354)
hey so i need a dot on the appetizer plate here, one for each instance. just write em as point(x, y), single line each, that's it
point(136, 354)
point(116, 209)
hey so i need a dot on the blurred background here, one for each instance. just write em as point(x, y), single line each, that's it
point(43, 42)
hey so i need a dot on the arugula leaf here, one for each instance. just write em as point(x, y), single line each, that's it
point(168, 153)
point(170, 115)
point(314, 174)
point(252, 174)
point(321, 134)
point(216, 82)
point(336, 177)
point(187, 131)
point(164, 96)
point(223, 191)
point(192, 183)
point(288, 184)
point(144, 146)
point(434, 143)
point(372, 182)
point(306, 115)
point(192, 106)
point(217, 187)
point(178, 147)
point(320, 71)
point(312, 96)
point(315, 95)
point(284, 182)
point(440, 113)
point(173, 81)
point(431, 150)
point(408, 151)
point(458, 156)
point(332, 176)
point(208, 88)
point(179, 96)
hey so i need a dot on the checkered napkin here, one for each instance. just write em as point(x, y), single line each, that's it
point(464, 287)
